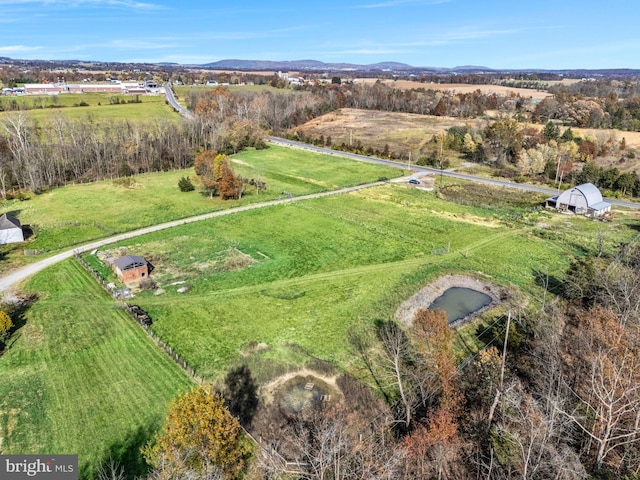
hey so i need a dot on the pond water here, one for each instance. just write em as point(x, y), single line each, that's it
point(458, 302)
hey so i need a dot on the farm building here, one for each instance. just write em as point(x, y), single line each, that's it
point(10, 229)
point(584, 199)
point(131, 268)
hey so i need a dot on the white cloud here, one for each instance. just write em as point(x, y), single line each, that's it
point(11, 49)
point(77, 3)
point(401, 3)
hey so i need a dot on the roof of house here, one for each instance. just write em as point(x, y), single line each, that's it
point(129, 261)
point(8, 222)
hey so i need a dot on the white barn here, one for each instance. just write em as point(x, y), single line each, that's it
point(584, 199)
point(10, 230)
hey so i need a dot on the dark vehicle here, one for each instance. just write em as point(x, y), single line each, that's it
point(413, 181)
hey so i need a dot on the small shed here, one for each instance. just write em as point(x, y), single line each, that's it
point(10, 229)
point(584, 199)
point(131, 268)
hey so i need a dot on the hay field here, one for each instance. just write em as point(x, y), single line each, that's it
point(461, 88)
point(409, 132)
point(401, 131)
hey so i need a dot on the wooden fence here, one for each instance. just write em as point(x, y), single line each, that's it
point(143, 319)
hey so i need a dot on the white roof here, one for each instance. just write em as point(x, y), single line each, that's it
point(590, 192)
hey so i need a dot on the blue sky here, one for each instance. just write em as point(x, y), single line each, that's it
point(442, 33)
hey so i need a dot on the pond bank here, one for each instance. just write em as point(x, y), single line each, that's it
point(425, 297)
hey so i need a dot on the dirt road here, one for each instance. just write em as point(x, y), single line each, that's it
point(12, 279)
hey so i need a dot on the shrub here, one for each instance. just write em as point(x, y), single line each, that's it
point(185, 185)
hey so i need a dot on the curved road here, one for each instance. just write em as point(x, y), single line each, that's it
point(8, 281)
point(435, 171)
point(174, 103)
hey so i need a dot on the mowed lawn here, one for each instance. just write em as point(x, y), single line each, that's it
point(75, 214)
point(82, 377)
point(321, 267)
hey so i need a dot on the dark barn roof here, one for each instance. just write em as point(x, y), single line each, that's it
point(129, 262)
point(8, 221)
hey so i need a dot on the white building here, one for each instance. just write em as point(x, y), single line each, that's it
point(584, 199)
point(10, 229)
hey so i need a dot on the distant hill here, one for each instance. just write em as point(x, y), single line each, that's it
point(303, 65)
point(383, 68)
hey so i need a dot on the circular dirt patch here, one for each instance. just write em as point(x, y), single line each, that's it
point(425, 297)
point(301, 393)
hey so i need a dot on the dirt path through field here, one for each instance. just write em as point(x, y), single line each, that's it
point(9, 281)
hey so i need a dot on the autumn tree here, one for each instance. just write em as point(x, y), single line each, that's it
point(216, 175)
point(204, 166)
point(200, 438)
point(229, 185)
point(436, 438)
point(604, 383)
point(433, 339)
point(505, 139)
point(433, 449)
point(5, 326)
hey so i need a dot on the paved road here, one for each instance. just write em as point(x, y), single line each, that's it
point(174, 103)
point(12, 279)
point(435, 171)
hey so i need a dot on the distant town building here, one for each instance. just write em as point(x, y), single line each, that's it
point(117, 88)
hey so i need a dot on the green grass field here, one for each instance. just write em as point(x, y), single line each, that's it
point(276, 288)
point(82, 377)
point(98, 108)
point(75, 214)
point(315, 269)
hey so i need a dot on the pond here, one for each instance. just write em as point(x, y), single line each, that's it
point(459, 302)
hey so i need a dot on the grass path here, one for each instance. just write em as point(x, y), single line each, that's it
point(373, 269)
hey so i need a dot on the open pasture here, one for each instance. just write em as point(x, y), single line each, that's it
point(77, 214)
point(321, 267)
point(277, 288)
point(82, 377)
point(97, 109)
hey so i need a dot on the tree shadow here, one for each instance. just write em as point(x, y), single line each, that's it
point(27, 232)
point(241, 394)
point(550, 283)
point(17, 311)
point(124, 454)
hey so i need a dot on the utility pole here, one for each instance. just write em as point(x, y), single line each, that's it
point(500, 389)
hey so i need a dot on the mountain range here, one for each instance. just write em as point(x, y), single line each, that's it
point(383, 68)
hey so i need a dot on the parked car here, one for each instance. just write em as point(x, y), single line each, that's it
point(414, 181)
